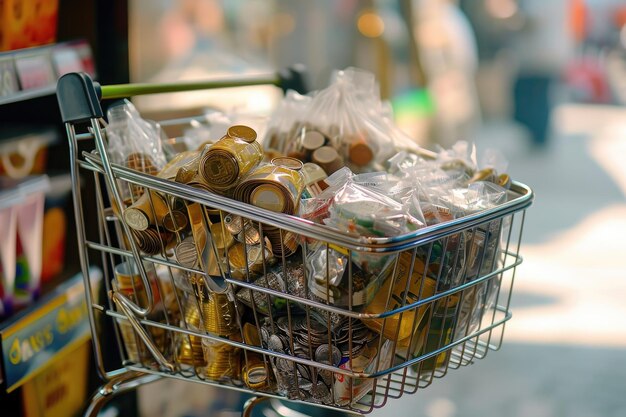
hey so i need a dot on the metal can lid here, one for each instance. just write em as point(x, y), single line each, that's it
point(288, 162)
point(268, 197)
point(325, 155)
point(242, 132)
point(313, 140)
point(361, 153)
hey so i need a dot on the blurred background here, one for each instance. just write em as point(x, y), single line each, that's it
point(542, 81)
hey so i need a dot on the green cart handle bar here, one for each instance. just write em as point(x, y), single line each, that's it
point(79, 96)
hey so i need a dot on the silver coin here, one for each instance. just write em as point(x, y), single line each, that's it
point(304, 384)
point(326, 376)
point(320, 391)
point(265, 336)
point(303, 371)
point(322, 355)
point(274, 343)
point(283, 324)
point(284, 365)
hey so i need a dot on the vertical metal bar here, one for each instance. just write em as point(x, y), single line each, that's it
point(106, 164)
point(82, 249)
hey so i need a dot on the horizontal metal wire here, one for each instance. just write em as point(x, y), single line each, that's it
point(316, 364)
point(317, 231)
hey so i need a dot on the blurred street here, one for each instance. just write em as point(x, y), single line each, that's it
point(564, 348)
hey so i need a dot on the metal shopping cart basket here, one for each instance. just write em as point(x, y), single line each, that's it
point(317, 316)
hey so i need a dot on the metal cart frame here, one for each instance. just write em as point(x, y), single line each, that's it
point(79, 98)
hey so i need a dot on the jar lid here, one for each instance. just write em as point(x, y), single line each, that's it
point(242, 132)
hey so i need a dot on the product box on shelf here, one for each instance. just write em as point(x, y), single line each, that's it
point(21, 217)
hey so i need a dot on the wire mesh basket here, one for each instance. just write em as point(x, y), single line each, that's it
point(224, 293)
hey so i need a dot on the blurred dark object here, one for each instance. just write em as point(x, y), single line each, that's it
point(532, 105)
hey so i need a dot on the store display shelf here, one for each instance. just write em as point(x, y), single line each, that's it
point(33, 72)
point(35, 337)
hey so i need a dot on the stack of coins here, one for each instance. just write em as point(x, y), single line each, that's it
point(224, 163)
point(289, 279)
point(147, 211)
point(219, 314)
point(310, 340)
point(190, 349)
point(276, 186)
point(223, 360)
point(328, 158)
point(255, 372)
point(152, 241)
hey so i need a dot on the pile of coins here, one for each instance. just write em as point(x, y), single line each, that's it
point(289, 279)
point(223, 360)
point(190, 349)
point(223, 164)
point(308, 338)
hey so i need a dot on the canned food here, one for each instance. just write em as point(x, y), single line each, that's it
point(231, 158)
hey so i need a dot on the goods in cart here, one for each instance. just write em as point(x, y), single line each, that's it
point(273, 273)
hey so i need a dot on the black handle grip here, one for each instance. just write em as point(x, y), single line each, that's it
point(79, 97)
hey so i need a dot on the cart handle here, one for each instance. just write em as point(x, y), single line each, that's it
point(79, 96)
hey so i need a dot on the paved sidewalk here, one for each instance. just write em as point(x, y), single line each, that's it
point(564, 350)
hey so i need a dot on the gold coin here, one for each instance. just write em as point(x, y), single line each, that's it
point(186, 253)
point(268, 197)
point(222, 240)
point(175, 221)
point(237, 256)
point(220, 168)
point(244, 133)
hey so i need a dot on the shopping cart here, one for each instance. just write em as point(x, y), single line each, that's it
point(438, 299)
